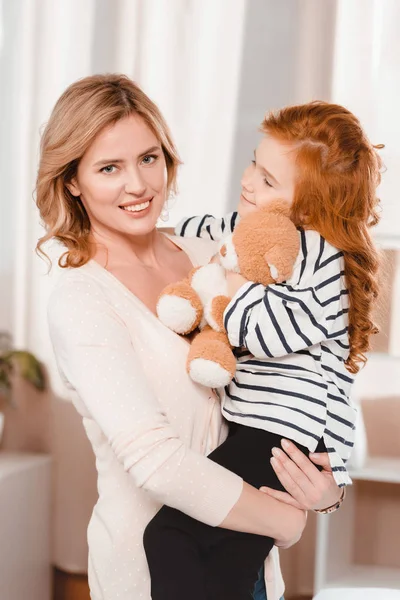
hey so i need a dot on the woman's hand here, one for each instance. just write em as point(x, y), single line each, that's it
point(307, 487)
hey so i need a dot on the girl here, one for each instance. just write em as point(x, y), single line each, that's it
point(298, 343)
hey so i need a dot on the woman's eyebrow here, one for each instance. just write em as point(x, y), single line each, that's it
point(108, 161)
point(151, 149)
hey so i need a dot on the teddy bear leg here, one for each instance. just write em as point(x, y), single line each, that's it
point(214, 312)
point(180, 308)
point(211, 361)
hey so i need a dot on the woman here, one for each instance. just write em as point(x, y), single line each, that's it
point(107, 165)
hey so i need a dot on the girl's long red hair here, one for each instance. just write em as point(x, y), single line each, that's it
point(339, 171)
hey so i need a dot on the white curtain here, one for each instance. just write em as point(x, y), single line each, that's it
point(366, 78)
point(186, 56)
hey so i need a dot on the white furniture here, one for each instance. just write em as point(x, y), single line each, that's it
point(358, 594)
point(334, 563)
point(25, 512)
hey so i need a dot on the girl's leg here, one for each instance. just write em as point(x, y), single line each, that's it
point(186, 556)
point(174, 557)
point(260, 592)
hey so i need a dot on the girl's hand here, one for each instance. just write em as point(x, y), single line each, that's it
point(307, 487)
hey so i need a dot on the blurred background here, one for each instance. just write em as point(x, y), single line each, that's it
point(214, 67)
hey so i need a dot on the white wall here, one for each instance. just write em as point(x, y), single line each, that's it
point(367, 81)
point(287, 58)
point(185, 55)
point(8, 160)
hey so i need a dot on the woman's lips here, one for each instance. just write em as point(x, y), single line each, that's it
point(138, 209)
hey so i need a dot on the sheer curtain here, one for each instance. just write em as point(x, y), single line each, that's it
point(366, 78)
point(185, 54)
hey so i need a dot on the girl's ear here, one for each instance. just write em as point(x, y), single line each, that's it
point(73, 187)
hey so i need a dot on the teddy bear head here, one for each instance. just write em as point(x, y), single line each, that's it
point(264, 245)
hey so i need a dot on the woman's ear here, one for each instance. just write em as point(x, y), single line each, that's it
point(73, 188)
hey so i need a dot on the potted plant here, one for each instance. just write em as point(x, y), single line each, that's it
point(25, 363)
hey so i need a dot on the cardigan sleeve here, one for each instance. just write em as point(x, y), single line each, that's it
point(94, 353)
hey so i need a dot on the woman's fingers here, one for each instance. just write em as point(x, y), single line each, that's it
point(300, 459)
point(281, 496)
point(299, 471)
point(282, 472)
point(322, 459)
point(309, 487)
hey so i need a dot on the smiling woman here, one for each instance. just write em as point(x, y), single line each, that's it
point(126, 158)
point(134, 183)
point(107, 164)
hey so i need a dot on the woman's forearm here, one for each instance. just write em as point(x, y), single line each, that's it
point(260, 514)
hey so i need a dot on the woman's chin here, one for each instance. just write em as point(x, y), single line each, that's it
point(140, 224)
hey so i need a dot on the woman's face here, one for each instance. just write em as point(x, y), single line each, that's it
point(270, 176)
point(122, 179)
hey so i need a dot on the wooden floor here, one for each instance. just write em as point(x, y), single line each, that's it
point(75, 587)
point(70, 587)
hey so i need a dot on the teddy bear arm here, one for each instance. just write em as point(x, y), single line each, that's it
point(211, 361)
point(179, 307)
point(214, 312)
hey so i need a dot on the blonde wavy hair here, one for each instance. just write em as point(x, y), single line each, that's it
point(83, 110)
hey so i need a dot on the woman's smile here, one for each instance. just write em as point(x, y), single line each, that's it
point(138, 208)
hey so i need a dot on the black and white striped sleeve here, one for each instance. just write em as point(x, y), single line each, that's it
point(281, 319)
point(207, 226)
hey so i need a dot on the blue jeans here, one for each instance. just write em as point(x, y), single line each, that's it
point(259, 589)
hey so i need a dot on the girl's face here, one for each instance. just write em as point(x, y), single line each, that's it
point(271, 175)
point(122, 179)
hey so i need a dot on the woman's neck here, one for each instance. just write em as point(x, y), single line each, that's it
point(120, 249)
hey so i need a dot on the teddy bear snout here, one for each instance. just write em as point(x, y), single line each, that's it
point(223, 251)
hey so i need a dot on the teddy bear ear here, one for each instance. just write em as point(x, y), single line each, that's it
point(278, 207)
point(281, 267)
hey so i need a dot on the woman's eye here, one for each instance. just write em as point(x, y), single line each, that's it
point(108, 169)
point(149, 159)
point(254, 162)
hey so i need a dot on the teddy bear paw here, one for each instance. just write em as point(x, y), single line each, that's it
point(209, 373)
point(178, 314)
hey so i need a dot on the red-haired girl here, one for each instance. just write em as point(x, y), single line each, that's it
point(299, 343)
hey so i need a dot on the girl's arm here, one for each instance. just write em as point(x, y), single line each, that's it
point(284, 318)
point(95, 353)
point(279, 320)
point(207, 226)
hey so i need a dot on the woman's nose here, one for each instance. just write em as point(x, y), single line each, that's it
point(247, 177)
point(135, 183)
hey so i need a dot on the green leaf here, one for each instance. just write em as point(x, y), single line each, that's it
point(28, 365)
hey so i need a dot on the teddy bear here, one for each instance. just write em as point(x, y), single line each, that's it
point(263, 248)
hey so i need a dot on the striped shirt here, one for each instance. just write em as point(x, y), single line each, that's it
point(291, 343)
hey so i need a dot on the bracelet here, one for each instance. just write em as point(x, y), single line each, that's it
point(331, 509)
